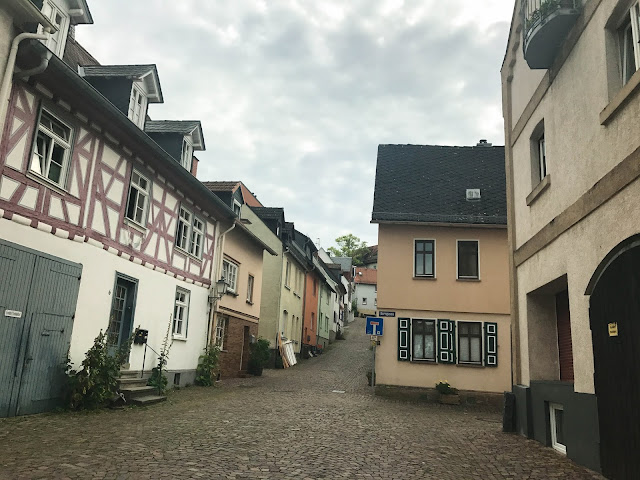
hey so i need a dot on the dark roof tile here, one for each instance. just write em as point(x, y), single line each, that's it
point(427, 183)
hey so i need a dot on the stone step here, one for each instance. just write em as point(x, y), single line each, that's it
point(132, 381)
point(129, 373)
point(148, 400)
point(132, 393)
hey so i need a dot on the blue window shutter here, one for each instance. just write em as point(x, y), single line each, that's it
point(404, 342)
point(491, 344)
point(446, 341)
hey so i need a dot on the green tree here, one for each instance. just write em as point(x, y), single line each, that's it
point(350, 246)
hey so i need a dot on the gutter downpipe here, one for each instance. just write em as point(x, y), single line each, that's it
point(217, 268)
point(5, 89)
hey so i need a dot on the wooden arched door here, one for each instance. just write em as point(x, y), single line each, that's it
point(615, 330)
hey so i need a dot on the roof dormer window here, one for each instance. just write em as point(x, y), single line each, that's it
point(57, 40)
point(138, 105)
point(187, 153)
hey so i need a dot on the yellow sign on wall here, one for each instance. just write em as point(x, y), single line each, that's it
point(613, 329)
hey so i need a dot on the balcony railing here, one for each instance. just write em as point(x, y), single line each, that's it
point(546, 25)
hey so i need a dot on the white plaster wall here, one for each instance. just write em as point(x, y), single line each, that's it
point(368, 292)
point(154, 305)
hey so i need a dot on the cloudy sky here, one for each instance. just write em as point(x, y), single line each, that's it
point(296, 95)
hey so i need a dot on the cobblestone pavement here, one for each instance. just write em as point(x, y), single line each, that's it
point(286, 424)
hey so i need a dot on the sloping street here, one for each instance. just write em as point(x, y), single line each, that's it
point(286, 424)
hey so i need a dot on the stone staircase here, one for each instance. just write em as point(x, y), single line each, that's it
point(135, 389)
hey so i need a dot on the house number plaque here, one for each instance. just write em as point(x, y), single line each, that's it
point(613, 329)
point(13, 314)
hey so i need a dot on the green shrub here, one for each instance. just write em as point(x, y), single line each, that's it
point(207, 370)
point(259, 356)
point(96, 383)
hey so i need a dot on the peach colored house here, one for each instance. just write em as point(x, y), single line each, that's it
point(443, 277)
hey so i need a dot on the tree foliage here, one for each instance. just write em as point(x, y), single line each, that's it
point(350, 246)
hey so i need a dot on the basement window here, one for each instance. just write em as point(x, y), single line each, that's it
point(556, 425)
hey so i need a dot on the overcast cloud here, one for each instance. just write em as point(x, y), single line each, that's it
point(295, 95)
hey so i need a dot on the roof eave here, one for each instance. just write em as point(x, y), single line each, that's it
point(439, 224)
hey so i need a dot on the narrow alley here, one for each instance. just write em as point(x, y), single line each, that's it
point(293, 423)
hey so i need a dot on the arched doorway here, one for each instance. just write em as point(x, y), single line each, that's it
point(615, 330)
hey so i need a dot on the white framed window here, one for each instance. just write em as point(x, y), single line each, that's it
point(287, 274)
point(423, 339)
point(424, 252)
point(56, 41)
point(137, 106)
point(237, 208)
point(230, 275)
point(197, 237)
point(190, 233)
point(628, 38)
point(250, 283)
point(181, 313)
point(364, 300)
point(222, 326)
point(187, 153)
point(183, 233)
point(138, 202)
point(468, 259)
point(542, 157)
point(556, 425)
point(52, 149)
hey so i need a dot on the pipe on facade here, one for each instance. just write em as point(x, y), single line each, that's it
point(44, 63)
point(5, 89)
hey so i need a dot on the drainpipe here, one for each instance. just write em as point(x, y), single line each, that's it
point(217, 268)
point(44, 63)
point(5, 89)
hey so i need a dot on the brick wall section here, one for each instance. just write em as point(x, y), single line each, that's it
point(232, 354)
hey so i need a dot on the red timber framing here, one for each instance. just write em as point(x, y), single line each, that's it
point(92, 208)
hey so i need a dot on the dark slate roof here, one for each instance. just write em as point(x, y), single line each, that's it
point(221, 186)
point(428, 183)
point(133, 71)
point(344, 262)
point(267, 213)
point(171, 126)
point(76, 55)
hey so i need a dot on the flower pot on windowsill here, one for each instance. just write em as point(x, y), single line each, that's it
point(450, 399)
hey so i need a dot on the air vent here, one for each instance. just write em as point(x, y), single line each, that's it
point(473, 194)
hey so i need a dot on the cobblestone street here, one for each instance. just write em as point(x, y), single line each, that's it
point(286, 424)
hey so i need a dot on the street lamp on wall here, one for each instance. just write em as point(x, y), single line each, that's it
point(218, 291)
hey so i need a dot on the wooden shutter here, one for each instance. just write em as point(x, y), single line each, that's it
point(490, 344)
point(565, 347)
point(404, 340)
point(446, 341)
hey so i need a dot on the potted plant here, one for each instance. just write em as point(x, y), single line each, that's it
point(259, 356)
point(448, 394)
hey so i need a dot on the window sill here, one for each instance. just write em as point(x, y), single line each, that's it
point(430, 362)
point(620, 99)
point(232, 294)
point(463, 279)
point(182, 250)
point(425, 277)
point(287, 287)
point(539, 190)
point(178, 338)
point(48, 183)
point(472, 365)
point(249, 302)
point(135, 225)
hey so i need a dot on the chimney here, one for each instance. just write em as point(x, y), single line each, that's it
point(194, 166)
point(483, 143)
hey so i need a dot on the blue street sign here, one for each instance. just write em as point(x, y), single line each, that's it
point(374, 326)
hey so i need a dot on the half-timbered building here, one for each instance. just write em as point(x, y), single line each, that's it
point(103, 226)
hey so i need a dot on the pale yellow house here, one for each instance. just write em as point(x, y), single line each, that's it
point(443, 284)
point(571, 105)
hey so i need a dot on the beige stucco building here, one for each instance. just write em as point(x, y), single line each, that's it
point(571, 109)
point(443, 268)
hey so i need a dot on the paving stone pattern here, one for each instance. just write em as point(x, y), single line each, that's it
point(286, 424)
